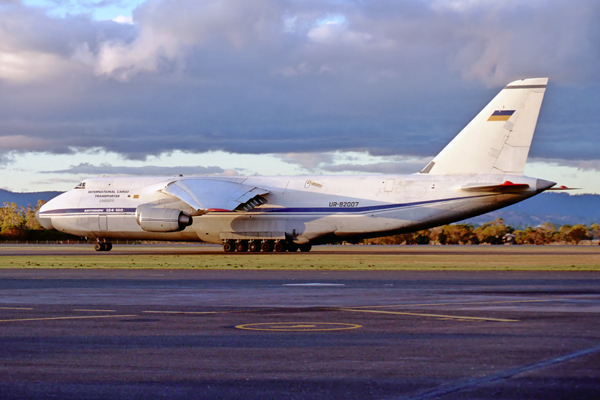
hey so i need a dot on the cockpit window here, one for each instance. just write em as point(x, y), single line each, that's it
point(80, 186)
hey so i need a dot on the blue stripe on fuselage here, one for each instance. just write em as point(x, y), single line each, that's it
point(90, 211)
point(360, 209)
point(270, 210)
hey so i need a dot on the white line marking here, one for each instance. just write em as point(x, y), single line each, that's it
point(314, 284)
point(454, 317)
point(470, 383)
point(191, 312)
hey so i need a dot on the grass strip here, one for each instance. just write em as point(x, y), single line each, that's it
point(337, 261)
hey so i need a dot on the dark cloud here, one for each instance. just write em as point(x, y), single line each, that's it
point(309, 161)
point(329, 162)
point(4, 159)
point(268, 76)
point(148, 170)
point(382, 167)
point(593, 165)
point(581, 165)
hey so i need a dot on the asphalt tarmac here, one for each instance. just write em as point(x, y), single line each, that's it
point(154, 334)
point(211, 249)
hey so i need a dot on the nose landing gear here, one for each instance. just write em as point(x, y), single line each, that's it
point(103, 245)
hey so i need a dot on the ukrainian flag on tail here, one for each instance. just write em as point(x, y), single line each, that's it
point(501, 115)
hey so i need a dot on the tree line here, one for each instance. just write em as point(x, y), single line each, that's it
point(19, 223)
point(495, 232)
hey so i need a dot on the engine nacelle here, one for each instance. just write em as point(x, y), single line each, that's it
point(162, 219)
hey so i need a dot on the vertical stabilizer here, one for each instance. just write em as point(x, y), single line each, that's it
point(497, 140)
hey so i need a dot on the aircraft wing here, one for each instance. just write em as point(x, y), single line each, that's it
point(206, 194)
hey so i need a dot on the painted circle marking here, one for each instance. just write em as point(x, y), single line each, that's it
point(298, 326)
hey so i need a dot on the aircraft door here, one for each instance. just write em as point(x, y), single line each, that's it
point(389, 185)
point(103, 223)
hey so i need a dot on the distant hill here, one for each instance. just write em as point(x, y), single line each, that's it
point(25, 199)
point(557, 208)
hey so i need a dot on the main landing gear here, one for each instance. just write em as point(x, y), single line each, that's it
point(266, 246)
point(103, 245)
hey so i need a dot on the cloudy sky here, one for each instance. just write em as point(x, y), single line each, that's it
point(92, 87)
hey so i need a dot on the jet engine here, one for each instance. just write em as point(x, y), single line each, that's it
point(162, 219)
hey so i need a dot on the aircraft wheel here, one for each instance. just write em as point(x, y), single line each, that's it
point(267, 246)
point(99, 246)
point(108, 246)
point(241, 246)
point(253, 246)
point(228, 246)
point(305, 247)
point(292, 247)
point(279, 247)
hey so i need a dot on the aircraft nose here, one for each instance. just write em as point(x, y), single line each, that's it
point(45, 222)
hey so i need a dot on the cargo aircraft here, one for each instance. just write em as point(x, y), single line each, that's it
point(480, 170)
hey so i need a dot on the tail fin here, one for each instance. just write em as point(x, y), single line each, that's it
point(497, 140)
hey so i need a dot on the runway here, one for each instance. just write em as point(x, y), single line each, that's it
point(100, 334)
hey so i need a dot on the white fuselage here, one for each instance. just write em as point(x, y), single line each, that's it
point(480, 170)
point(300, 209)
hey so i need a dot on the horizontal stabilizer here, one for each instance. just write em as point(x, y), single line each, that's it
point(562, 187)
point(506, 187)
point(210, 194)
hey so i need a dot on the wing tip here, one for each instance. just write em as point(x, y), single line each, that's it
point(530, 83)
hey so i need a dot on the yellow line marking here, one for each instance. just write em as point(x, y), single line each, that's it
point(297, 326)
point(15, 308)
point(81, 309)
point(301, 326)
point(455, 317)
point(59, 318)
point(459, 303)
